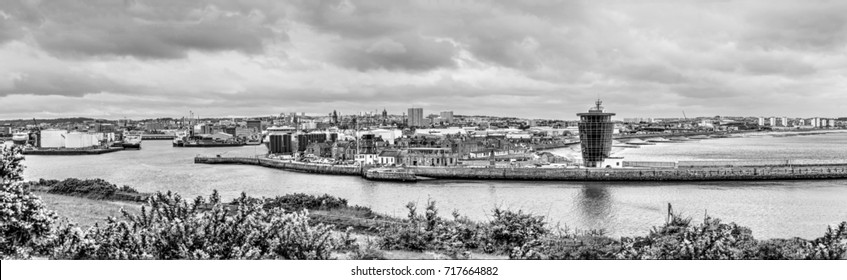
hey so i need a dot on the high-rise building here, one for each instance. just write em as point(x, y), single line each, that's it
point(761, 121)
point(415, 117)
point(783, 121)
point(447, 116)
point(595, 134)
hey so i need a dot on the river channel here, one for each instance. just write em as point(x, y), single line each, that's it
point(772, 209)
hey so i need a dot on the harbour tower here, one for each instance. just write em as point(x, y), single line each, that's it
point(595, 134)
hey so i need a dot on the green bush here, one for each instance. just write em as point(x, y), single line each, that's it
point(511, 229)
point(563, 245)
point(25, 223)
point(300, 201)
point(174, 228)
point(431, 232)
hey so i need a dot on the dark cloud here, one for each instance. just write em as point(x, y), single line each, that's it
point(513, 34)
point(147, 29)
point(777, 65)
point(65, 84)
point(524, 58)
point(812, 25)
point(651, 73)
point(716, 91)
point(409, 52)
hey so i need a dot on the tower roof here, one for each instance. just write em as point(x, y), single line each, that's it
point(596, 111)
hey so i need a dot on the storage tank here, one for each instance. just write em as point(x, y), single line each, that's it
point(75, 140)
point(53, 138)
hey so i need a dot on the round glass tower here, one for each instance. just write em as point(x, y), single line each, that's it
point(595, 135)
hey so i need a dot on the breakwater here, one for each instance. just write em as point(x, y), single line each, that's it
point(70, 152)
point(792, 172)
point(285, 165)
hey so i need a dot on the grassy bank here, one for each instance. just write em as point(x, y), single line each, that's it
point(84, 211)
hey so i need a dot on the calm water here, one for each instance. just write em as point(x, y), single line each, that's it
point(770, 208)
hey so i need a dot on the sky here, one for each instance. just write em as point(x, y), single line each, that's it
point(530, 59)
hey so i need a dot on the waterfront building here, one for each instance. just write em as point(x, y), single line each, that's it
point(447, 116)
point(783, 121)
point(595, 133)
point(429, 157)
point(416, 118)
point(256, 125)
point(367, 144)
point(303, 140)
point(388, 157)
point(761, 121)
point(319, 150)
point(772, 121)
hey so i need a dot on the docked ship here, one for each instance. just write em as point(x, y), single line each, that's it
point(132, 141)
point(180, 138)
point(255, 139)
point(20, 138)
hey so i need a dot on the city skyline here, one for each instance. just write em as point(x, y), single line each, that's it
point(542, 59)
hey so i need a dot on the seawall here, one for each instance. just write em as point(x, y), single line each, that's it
point(793, 172)
point(285, 165)
point(71, 152)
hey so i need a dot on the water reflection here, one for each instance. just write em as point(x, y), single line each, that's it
point(594, 202)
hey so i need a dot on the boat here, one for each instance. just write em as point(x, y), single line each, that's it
point(132, 141)
point(179, 138)
point(255, 139)
point(20, 138)
point(391, 174)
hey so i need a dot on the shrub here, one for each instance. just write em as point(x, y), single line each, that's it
point(678, 240)
point(300, 201)
point(431, 232)
point(25, 223)
point(174, 228)
point(511, 229)
point(590, 245)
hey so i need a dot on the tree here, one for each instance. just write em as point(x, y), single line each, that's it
point(25, 223)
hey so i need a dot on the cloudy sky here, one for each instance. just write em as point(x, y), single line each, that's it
point(538, 59)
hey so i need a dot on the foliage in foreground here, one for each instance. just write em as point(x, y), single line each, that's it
point(25, 223)
point(526, 236)
point(168, 227)
point(173, 228)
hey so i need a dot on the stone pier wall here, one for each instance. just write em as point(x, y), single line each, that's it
point(286, 165)
point(835, 171)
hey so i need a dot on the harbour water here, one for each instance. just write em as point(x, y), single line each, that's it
point(772, 209)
